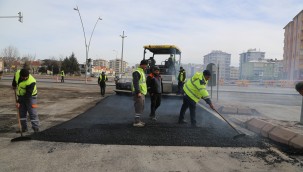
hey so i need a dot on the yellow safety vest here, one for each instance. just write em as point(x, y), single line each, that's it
point(182, 76)
point(102, 77)
point(22, 85)
point(142, 82)
point(194, 89)
point(62, 73)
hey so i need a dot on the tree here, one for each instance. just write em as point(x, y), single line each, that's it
point(9, 54)
point(70, 65)
point(74, 65)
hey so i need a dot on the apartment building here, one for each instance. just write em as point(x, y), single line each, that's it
point(101, 62)
point(250, 55)
point(234, 73)
point(220, 58)
point(293, 48)
point(116, 65)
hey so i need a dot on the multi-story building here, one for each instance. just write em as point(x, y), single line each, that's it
point(259, 70)
point(279, 69)
point(250, 55)
point(219, 58)
point(116, 65)
point(234, 73)
point(101, 62)
point(293, 48)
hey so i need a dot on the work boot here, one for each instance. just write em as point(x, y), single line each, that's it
point(182, 121)
point(36, 130)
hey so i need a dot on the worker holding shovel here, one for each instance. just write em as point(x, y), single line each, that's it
point(26, 101)
point(194, 89)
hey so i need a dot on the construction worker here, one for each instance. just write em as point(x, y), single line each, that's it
point(194, 89)
point(181, 80)
point(139, 90)
point(101, 81)
point(154, 88)
point(299, 87)
point(27, 98)
point(62, 76)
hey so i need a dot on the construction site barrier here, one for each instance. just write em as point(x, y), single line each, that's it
point(287, 84)
point(242, 83)
point(221, 81)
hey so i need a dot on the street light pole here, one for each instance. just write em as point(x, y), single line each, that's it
point(86, 46)
point(122, 36)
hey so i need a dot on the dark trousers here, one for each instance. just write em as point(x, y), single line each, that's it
point(188, 103)
point(102, 87)
point(155, 100)
point(28, 105)
point(180, 87)
point(62, 78)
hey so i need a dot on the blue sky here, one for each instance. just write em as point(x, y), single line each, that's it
point(51, 28)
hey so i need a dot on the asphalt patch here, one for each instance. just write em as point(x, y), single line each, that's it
point(110, 122)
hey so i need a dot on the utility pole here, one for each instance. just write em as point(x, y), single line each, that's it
point(122, 36)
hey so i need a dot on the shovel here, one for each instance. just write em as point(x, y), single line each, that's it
point(236, 136)
point(21, 138)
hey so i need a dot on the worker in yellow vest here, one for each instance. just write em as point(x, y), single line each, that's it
point(62, 76)
point(181, 80)
point(139, 89)
point(101, 81)
point(195, 89)
point(26, 87)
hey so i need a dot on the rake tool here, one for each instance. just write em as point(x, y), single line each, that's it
point(236, 136)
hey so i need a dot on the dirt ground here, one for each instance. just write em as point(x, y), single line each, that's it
point(56, 103)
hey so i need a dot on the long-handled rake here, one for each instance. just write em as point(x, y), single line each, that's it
point(21, 138)
point(236, 136)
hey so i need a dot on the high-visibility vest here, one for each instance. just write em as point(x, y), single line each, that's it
point(182, 76)
point(22, 85)
point(62, 73)
point(195, 88)
point(101, 77)
point(142, 82)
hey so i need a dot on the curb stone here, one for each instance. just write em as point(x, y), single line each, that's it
point(276, 133)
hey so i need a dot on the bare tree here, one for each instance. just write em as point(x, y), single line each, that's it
point(28, 57)
point(9, 54)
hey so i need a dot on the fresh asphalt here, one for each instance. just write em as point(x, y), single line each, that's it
point(110, 122)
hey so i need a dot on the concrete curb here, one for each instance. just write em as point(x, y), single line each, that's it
point(276, 133)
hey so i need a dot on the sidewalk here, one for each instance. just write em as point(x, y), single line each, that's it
point(280, 123)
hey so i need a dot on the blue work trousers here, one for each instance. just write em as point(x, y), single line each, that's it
point(188, 103)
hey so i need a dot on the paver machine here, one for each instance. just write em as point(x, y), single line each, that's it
point(167, 58)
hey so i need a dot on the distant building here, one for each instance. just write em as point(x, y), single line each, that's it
point(263, 70)
point(116, 65)
point(293, 48)
point(279, 70)
point(219, 58)
point(250, 55)
point(101, 63)
point(234, 73)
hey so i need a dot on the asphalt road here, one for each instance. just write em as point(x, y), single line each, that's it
point(110, 122)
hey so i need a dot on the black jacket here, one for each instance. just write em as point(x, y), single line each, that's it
point(154, 84)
